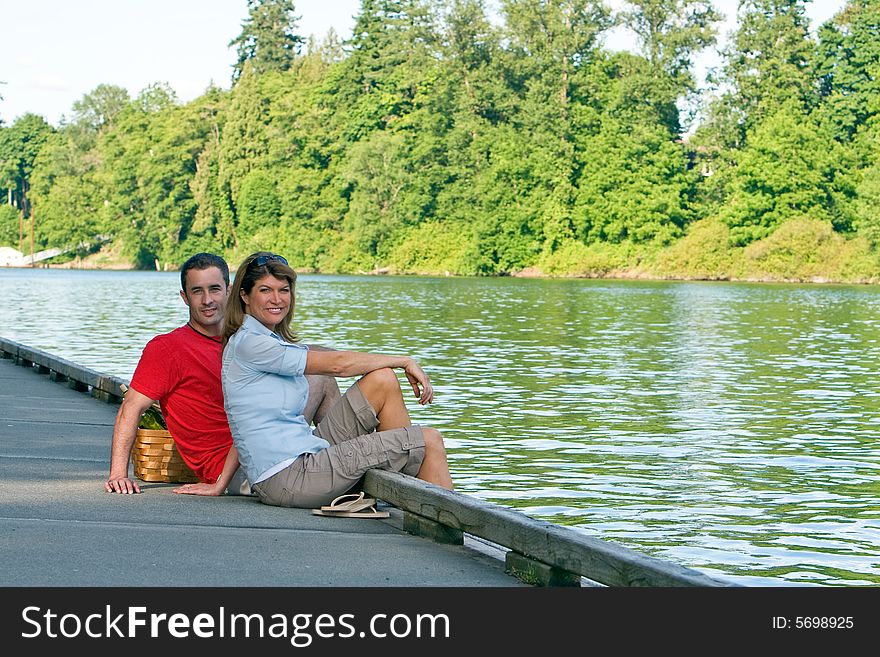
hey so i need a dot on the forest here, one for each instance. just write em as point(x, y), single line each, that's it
point(442, 139)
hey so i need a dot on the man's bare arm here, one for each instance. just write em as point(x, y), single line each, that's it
point(124, 432)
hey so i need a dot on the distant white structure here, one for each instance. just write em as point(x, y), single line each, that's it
point(10, 257)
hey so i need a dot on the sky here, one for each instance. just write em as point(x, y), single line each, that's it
point(53, 52)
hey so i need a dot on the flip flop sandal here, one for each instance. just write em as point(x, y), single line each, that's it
point(369, 512)
point(352, 505)
point(349, 502)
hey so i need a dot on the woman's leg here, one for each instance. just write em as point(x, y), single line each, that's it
point(382, 390)
point(435, 467)
point(323, 393)
point(376, 403)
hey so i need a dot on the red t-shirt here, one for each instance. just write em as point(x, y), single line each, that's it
point(182, 370)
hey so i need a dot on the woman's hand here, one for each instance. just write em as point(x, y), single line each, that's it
point(200, 489)
point(419, 381)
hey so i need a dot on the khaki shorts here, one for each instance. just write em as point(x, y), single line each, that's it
point(355, 446)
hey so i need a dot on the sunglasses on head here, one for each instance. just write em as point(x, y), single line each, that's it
point(259, 261)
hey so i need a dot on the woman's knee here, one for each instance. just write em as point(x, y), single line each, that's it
point(383, 378)
point(433, 440)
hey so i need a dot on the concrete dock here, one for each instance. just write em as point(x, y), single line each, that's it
point(59, 528)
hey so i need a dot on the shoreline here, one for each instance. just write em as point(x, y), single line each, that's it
point(530, 273)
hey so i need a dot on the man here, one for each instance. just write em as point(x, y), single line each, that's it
point(181, 370)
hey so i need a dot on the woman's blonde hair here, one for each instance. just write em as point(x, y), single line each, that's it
point(247, 274)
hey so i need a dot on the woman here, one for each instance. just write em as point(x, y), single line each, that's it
point(265, 391)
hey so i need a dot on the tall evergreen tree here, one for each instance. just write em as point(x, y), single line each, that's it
point(268, 39)
point(770, 61)
point(390, 53)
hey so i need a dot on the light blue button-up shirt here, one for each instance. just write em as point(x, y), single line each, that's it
point(265, 392)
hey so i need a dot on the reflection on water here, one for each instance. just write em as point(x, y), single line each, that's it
point(728, 427)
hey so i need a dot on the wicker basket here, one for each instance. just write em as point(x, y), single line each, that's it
point(155, 458)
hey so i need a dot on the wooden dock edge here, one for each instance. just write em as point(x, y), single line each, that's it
point(99, 385)
point(541, 553)
point(558, 550)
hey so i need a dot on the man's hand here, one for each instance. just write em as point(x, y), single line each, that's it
point(122, 485)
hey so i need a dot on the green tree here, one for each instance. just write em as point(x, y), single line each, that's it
point(552, 47)
point(552, 43)
point(259, 205)
point(97, 110)
point(455, 126)
point(268, 39)
point(670, 33)
point(509, 228)
point(66, 193)
point(790, 169)
point(156, 97)
point(8, 164)
point(849, 67)
point(470, 49)
point(246, 138)
point(390, 52)
point(146, 163)
point(9, 226)
point(378, 174)
point(71, 192)
point(213, 224)
point(770, 62)
point(641, 191)
point(867, 199)
point(20, 144)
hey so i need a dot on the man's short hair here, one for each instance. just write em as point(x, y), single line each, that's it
point(204, 261)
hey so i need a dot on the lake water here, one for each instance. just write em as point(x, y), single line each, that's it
point(733, 428)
